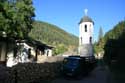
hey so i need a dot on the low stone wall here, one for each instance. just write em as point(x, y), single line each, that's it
point(48, 69)
point(34, 72)
point(42, 59)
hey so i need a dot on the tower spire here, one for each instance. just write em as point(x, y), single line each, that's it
point(86, 11)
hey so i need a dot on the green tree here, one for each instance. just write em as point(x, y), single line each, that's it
point(100, 34)
point(98, 46)
point(16, 17)
point(115, 44)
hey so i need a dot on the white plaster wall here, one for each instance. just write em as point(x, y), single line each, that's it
point(85, 35)
point(48, 52)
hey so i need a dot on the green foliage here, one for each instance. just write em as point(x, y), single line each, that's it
point(100, 33)
point(61, 48)
point(16, 17)
point(98, 46)
point(111, 37)
point(115, 44)
point(53, 35)
point(116, 32)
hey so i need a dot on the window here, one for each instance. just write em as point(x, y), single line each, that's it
point(90, 40)
point(85, 28)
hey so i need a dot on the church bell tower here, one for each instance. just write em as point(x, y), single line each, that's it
point(86, 36)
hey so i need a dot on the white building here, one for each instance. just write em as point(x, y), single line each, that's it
point(14, 51)
point(86, 36)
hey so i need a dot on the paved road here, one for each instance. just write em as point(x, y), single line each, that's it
point(98, 75)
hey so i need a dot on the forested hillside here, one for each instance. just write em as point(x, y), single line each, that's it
point(53, 35)
point(115, 44)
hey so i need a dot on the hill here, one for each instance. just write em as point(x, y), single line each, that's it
point(114, 37)
point(115, 43)
point(53, 35)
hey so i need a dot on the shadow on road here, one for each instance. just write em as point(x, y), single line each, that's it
point(100, 74)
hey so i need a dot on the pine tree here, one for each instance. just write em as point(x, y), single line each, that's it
point(100, 34)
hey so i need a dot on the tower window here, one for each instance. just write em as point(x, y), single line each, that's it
point(85, 28)
point(90, 40)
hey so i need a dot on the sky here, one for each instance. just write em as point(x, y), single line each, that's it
point(66, 14)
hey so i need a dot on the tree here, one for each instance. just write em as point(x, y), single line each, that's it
point(100, 34)
point(98, 46)
point(3, 20)
point(16, 17)
point(115, 44)
point(25, 14)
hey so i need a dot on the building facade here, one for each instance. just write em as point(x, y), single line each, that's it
point(14, 51)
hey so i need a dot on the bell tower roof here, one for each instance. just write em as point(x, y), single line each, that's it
point(86, 18)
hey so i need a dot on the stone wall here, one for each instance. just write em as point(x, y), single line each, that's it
point(42, 59)
point(32, 72)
